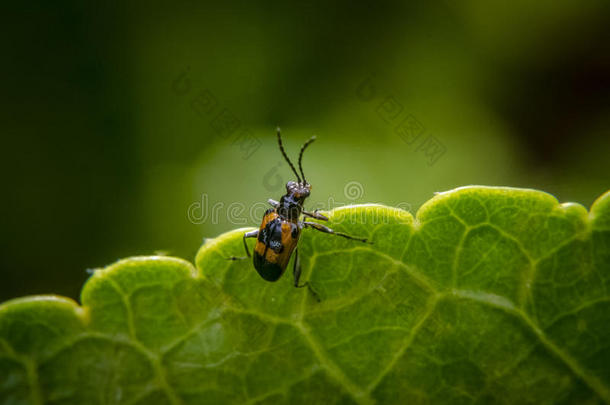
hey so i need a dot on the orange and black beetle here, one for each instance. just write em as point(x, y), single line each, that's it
point(280, 230)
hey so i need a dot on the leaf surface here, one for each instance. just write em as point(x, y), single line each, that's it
point(490, 295)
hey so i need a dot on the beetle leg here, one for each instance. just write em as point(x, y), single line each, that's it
point(296, 272)
point(315, 215)
point(325, 229)
point(252, 234)
point(296, 269)
point(273, 203)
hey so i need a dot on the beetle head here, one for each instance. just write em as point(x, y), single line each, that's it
point(298, 190)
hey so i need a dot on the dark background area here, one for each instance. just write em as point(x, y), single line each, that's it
point(112, 116)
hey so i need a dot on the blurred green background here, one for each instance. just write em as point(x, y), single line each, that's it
point(124, 125)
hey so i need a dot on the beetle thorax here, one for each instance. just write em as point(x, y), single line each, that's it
point(291, 204)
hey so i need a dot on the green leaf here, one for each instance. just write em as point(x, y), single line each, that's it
point(490, 295)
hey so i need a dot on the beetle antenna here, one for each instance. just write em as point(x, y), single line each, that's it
point(305, 145)
point(279, 141)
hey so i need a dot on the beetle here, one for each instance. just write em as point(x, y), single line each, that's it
point(280, 230)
